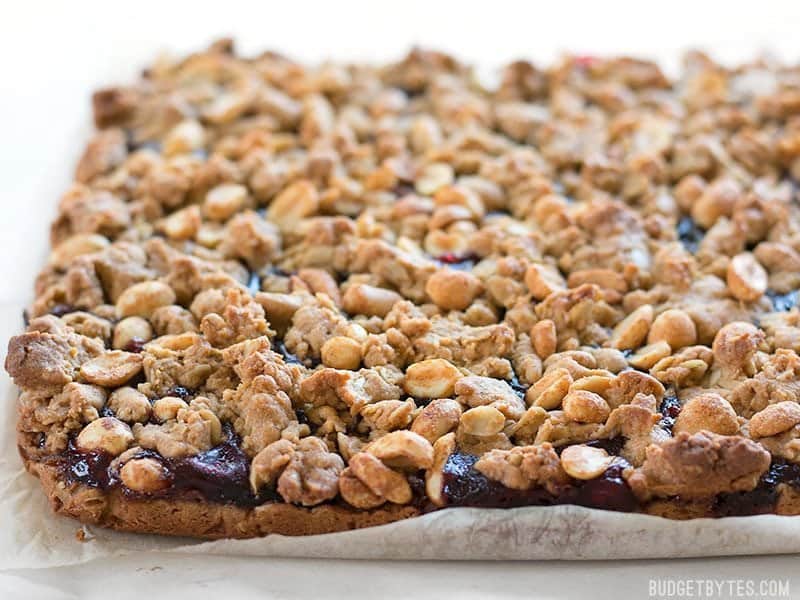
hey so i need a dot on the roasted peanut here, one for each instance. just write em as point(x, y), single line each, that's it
point(707, 411)
point(543, 338)
point(543, 280)
point(747, 279)
point(675, 327)
point(142, 299)
point(453, 290)
point(166, 408)
point(403, 450)
point(224, 200)
point(131, 330)
point(185, 137)
point(632, 330)
point(432, 378)
point(482, 421)
point(182, 224)
point(584, 462)
point(292, 205)
point(550, 390)
point(144, 475)
point(77, 245)
point(437, 419)
point(774, 419)
point(105, 434)
point(433, 177)
point(381, 480)
point(442, 450)
point(341, 352)
point(112, 369)
point(585, 407)
point(363, 299)
point(649, 355)
point(129, 405)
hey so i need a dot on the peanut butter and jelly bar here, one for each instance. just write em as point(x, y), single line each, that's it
point(293, 299)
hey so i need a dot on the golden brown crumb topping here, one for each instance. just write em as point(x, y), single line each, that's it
point(362, 270)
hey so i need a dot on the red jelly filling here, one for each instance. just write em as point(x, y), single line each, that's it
point(463, 485)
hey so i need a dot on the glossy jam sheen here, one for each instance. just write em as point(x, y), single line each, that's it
point(465, 486)
point(763, 498)
point(220, 474)
point(459, 262)
point(783, 302)
point(291, 359)
point(254, 283)
point(670, 409)
point(690, 234)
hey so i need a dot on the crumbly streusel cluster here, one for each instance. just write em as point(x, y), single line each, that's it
point(362, 270)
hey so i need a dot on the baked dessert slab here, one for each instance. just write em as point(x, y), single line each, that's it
point(293, 299)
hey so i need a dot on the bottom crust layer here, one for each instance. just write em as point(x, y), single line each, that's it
point(201, 519)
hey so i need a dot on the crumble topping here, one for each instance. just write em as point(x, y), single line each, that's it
point(362, 272)
point(524, 466)
point(699, 466)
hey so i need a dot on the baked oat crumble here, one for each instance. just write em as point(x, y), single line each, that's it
point(383, 290)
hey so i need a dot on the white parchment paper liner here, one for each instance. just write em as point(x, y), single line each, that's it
point(32, 536)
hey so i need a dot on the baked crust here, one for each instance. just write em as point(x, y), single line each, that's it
point(289, 299)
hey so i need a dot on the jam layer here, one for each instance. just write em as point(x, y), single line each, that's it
point(221, 475)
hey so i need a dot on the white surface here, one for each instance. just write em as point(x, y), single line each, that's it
point(55, 53)
point(158, 576)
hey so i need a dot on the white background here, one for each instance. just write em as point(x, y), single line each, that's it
point(53, 54)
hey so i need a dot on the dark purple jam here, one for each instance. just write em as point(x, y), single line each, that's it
point(134, 145)
point(59, 310)
point(608, 492)
point(291, 359)
point(690, 234)
point(519, 389)
point(464, 486)
point(402, 189)
point(612, 446)
point(763, 498)
point(26, 317)
point(220, 474)
point(670, 409)
point(87, 468)
point(459, 262)
point(417, 483)
point(783, 302)
point(301, 415)
point(181, 392)
point(278, 272)
point(288, 357)
point(135, 345)
point(254, 283)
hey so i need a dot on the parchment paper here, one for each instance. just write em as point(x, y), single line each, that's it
point(32, 536)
